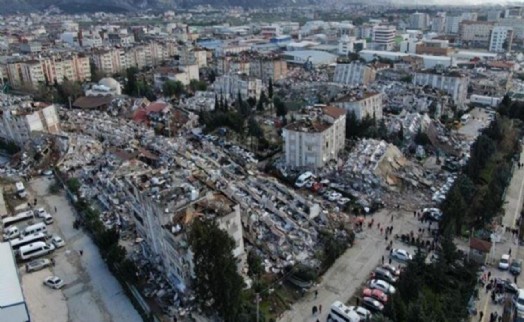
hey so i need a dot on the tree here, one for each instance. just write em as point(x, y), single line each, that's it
point(69, 90)
point(96, 74)
point(254, 262)
point(262, 101)
point(197, 85)
point(270, 88)
point(171, 87)
point(280, 107)
point(130, 88)
point(217, 103)
point(216, 278)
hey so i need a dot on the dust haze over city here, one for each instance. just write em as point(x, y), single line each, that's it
point(290, 161)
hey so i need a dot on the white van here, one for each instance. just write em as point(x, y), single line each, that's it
point(20, 189)
point(41, 213)
point(34, 250)
point(11, 232)
point(341, 313)
point(465, 118)
point(36, 228)
point(303, 179)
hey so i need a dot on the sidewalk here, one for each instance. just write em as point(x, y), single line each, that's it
point(513, 200)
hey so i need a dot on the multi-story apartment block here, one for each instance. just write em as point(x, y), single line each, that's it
point(164, 205)
point(268, 67)
point(19, 122)
point(501, 39)
point(419, 20)
point(362, 103)
point(453, 83)
point(354, 73)
point(31, 73)
point(384, 37)
point(230, 85)
point(476, 33)
point(116, 60)
point(183, 74)
point(316, 138)
point(438, 23)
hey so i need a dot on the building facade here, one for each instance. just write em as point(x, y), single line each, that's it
point(501, 39)
point(354, 73)
point(476, 33)
point(384, 37)
point(314, 142)
point(365, 104)
point(454, 85)
point(19, 123)
point(230, 85)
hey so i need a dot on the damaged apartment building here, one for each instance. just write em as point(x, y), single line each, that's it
point(163, 202)
point(316, 137)
point(21, 119)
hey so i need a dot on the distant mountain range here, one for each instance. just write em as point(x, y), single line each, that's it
point(12, 6)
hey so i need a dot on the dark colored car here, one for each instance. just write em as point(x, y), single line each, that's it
point(515, 267)
point(372, 304)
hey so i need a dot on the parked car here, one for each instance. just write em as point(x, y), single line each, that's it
point(504, 262)
point(392, 269)
point(54, 282)
point(516, 267)
point(401, 255)
point(384, 274)
point(57, 241)
point(37, 264)
point(376, 294)
point(372, 304)
point(364, 313)
point(382, 285)
point(518, 301)
point(433, 214)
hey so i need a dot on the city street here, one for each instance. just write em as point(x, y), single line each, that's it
point(512, 208)
point(90, 293)
point(352, 269)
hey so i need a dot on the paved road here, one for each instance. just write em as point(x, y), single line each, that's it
point(512, 206)
point(352, 269)
point(91, 293)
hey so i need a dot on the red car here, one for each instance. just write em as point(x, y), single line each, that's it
point(376, 294)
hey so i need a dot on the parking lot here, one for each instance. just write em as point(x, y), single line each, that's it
point(90, 293)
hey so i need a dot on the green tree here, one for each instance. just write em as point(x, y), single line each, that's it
point(69, 90)
point(96, 74)
point(130, 87)
point(280, 107)
point(262, 101)
point(270, 88)
point(171, 87)
point(197, 85)
point(254, 262)
point(217, 280)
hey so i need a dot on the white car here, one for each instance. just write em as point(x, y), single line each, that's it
point(504, 262)
point(54, 282)
point(383, 286)
point(518, 301)
point(401, 255)
point(362, 312)
point(57, 241)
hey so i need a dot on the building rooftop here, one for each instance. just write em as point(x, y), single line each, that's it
point(12, 303)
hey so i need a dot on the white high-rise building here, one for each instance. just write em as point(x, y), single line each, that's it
point(384, 37)
point(501, 39)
